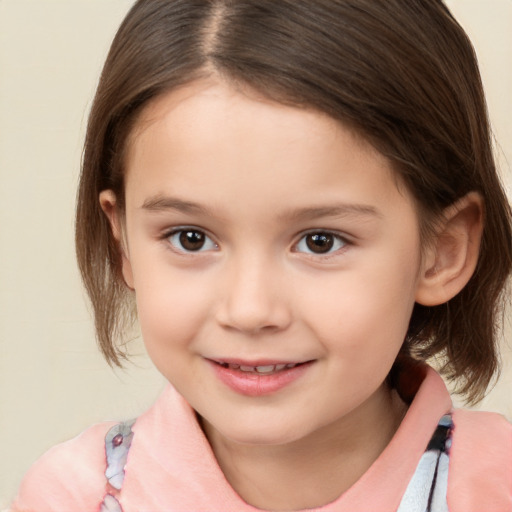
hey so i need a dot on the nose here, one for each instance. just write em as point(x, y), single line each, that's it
point(253, 297)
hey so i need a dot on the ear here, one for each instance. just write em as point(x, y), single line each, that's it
point(451, 258)
point(108, 203)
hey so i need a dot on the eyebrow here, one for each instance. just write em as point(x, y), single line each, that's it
point(163, 203)
point(336, 210)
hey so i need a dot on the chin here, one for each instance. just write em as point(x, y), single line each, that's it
point(261, 434)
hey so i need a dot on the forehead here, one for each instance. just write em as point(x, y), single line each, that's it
point(209, 133)
point(212, 101)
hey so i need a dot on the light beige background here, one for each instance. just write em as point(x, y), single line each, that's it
point(53, 382)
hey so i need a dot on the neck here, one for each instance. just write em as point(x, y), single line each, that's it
point(314, 470)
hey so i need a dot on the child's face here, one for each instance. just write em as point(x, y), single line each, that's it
point(261, 235)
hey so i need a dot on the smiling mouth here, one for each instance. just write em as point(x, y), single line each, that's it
point(268, 369)
point(258, 378)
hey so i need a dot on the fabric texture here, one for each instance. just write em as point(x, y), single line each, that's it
point(171, 466)
point(426, 492)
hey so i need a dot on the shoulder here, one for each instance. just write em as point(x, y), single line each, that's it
point(486, 434)
point(480, 462)
point(69, 476)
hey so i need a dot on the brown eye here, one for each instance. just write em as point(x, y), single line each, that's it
point(192, 240)
point(320, 242)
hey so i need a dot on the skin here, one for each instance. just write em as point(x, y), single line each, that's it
point(256, 178)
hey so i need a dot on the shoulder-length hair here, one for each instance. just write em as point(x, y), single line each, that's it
point(402, 73)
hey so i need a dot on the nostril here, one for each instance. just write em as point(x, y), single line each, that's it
point(252, 301)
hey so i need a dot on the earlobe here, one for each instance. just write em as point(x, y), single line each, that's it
point(108, 203)
point(452, 256)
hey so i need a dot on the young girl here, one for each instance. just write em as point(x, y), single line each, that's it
point(300, 201)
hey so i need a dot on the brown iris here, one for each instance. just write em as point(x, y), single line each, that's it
point(192, 240)
point(320, 243)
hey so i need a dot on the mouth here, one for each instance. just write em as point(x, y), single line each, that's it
point(259, 378)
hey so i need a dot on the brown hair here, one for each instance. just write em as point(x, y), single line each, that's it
point(401, 72)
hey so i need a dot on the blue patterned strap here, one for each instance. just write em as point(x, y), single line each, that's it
point(117, 445)
point(110, 504)
point(428, 487)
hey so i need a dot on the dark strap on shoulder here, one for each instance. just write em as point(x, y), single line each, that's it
point(427, 489)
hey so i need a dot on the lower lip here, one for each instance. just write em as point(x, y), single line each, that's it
point(256, 384)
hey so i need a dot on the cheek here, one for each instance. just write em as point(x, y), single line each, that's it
point(364, 311)
point(171, 305)
point(171, 319)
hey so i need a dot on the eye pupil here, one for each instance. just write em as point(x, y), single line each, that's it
point(192, 240)
point(320, 242)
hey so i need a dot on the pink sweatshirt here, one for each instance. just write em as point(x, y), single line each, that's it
point(171, 466)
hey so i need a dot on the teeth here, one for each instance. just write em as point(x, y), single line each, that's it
point(266, 369)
